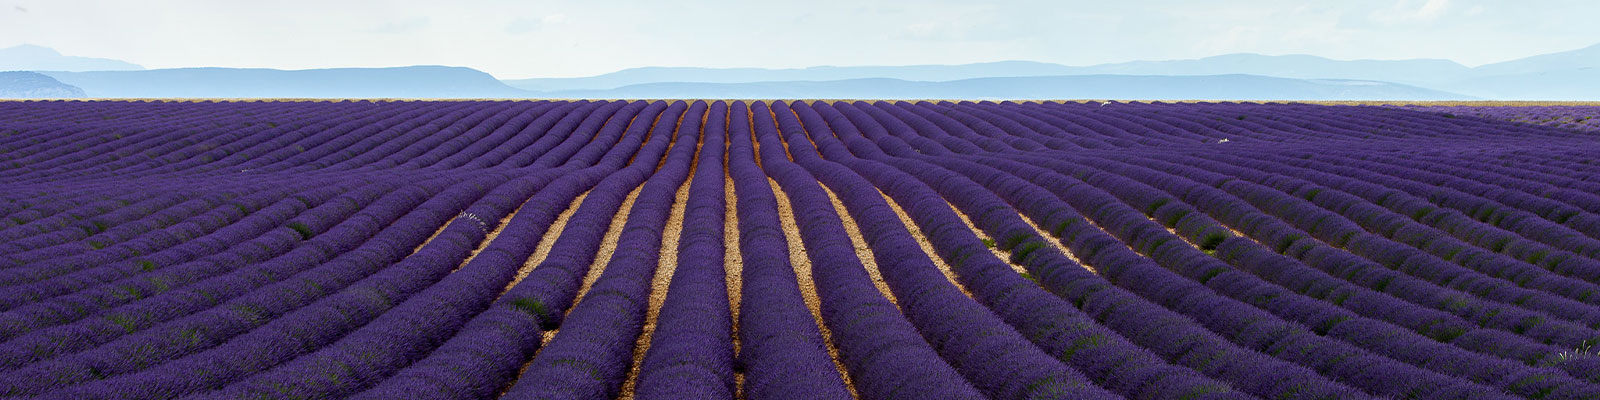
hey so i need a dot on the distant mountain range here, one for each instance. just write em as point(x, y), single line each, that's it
point(34, 85)
point(397, 82)
point(930, 73)
point(1146, 87)
point(38, 58)
point(1290, 66)
point(1571, 75)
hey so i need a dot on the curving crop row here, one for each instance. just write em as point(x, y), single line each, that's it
point(935, 249)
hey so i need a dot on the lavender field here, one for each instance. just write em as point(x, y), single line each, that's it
point(808, 249)
point(1572, 116)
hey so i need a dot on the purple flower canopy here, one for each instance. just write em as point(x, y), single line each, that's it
point(1580, 117)
point(807, 249)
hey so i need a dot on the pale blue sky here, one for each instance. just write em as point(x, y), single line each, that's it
point(519, 39)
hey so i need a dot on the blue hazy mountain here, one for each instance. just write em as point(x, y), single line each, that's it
point(635, 76)
point(28, 57)
point(1415, 71)
point(1571, 75)
point(1588, 57)
point(396, 82)
point(33, 85)
point(1421, 71)
point(1568, 75)
point(1566, 84)
point(1196, 87)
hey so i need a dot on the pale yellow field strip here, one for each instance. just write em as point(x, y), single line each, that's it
point(733, 267)
point(666, 265)
point(435, 234)
point(925, 244)
point(547, 241)
point(808, 287)
point(1055, 241)
point(1005, 256)
point(602, 258)
point(863, 252)
point(487, 238)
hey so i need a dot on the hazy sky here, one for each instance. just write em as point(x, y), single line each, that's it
point(520, 38)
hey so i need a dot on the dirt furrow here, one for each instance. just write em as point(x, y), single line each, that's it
point(808, 287)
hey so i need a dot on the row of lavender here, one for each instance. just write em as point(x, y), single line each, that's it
point(1580, 117)
point(1091, 250)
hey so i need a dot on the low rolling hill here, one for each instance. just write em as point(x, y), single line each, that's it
point(397, 82)
point(1205, 87)
point(33, 85)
